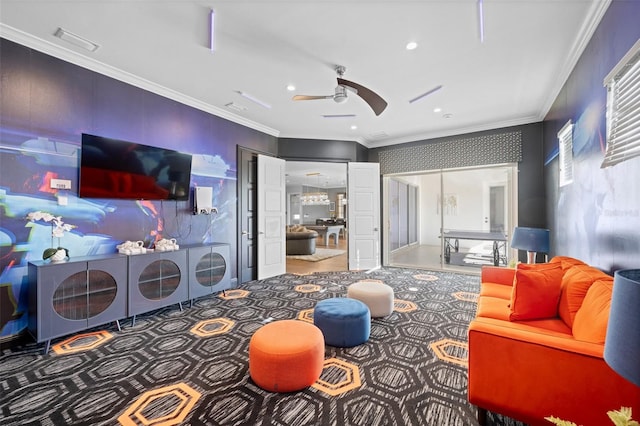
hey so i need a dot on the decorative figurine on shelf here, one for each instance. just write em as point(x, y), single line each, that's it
point(131, 247)
point(56, 254)
point(167, 245)
point(58, 228)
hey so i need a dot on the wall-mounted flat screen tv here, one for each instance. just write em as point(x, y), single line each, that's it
point(112, 168)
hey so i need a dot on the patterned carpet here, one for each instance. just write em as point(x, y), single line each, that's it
point(191, 367)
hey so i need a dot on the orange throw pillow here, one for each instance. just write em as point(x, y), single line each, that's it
point(590, 324)
point(536, 291)
point(576, 282)
point(566, 261)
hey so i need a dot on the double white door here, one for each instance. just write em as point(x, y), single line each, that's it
point(363, 193)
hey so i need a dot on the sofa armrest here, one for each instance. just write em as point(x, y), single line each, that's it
point(528, 375)
point(498, 275)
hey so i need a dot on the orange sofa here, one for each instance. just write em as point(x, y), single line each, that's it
point(536, 345)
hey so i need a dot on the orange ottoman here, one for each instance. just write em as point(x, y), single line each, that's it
point(286, 356)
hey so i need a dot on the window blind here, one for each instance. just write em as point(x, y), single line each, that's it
point(623, 109)
point(565, 138)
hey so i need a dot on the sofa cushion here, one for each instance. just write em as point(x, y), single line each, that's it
point(496, 290)
point(536, 291)
point(575, 283)
point(590, 323)
point(566, 261)
point(493, 307)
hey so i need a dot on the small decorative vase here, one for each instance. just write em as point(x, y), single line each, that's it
point(56, 254)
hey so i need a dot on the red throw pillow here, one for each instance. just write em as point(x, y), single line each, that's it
point(536, 291)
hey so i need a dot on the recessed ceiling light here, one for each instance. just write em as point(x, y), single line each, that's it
point(437, 109)
point(291, 87)
point(411, 45)
point(76, 40)
point(354, 127)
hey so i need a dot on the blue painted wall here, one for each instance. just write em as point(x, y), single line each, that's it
point(597, 217)
point(46, 105)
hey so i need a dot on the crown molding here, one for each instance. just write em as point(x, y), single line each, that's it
point(83, 61)
point(589, 25)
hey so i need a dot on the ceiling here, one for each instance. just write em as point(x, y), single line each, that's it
point(316, 174)
point(510, 77)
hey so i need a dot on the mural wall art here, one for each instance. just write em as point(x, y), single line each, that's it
point(46, 105)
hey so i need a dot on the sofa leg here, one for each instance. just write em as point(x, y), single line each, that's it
point(482, 416)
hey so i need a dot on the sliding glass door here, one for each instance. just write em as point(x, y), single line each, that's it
point(462, 218)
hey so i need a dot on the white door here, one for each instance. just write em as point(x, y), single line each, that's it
point(363, 193)
point(271, 217)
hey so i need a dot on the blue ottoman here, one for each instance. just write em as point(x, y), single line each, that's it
point(344, 322)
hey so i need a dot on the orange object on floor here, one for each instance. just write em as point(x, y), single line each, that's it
point(286, 356)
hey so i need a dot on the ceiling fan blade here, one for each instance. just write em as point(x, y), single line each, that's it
point(374, 100)
point(310, 98)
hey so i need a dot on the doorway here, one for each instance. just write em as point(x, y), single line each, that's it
point(361, 239)
point(317, 197)
point(462, 217)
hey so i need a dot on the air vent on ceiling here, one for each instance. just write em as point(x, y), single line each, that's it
point(236, 107)
point(379, 135)
point(76, 40)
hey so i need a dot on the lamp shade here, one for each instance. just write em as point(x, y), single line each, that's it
point(530, 239)
point(622, 344)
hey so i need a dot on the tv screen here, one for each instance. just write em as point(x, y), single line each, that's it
point(112, 168)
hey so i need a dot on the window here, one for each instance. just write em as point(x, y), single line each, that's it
point(565, 137)
point(623, 109)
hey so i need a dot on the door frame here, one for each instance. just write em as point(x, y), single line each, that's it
point(241, 186)
point(511, 215)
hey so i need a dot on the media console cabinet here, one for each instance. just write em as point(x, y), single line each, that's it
point(85, 292)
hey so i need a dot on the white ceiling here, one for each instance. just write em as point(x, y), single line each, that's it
point(316, 174)
point(511, 78)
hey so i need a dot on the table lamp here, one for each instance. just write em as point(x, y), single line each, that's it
point(622, 344)
point(533, 240)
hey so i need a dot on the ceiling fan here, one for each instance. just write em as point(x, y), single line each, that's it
point(374, 100)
